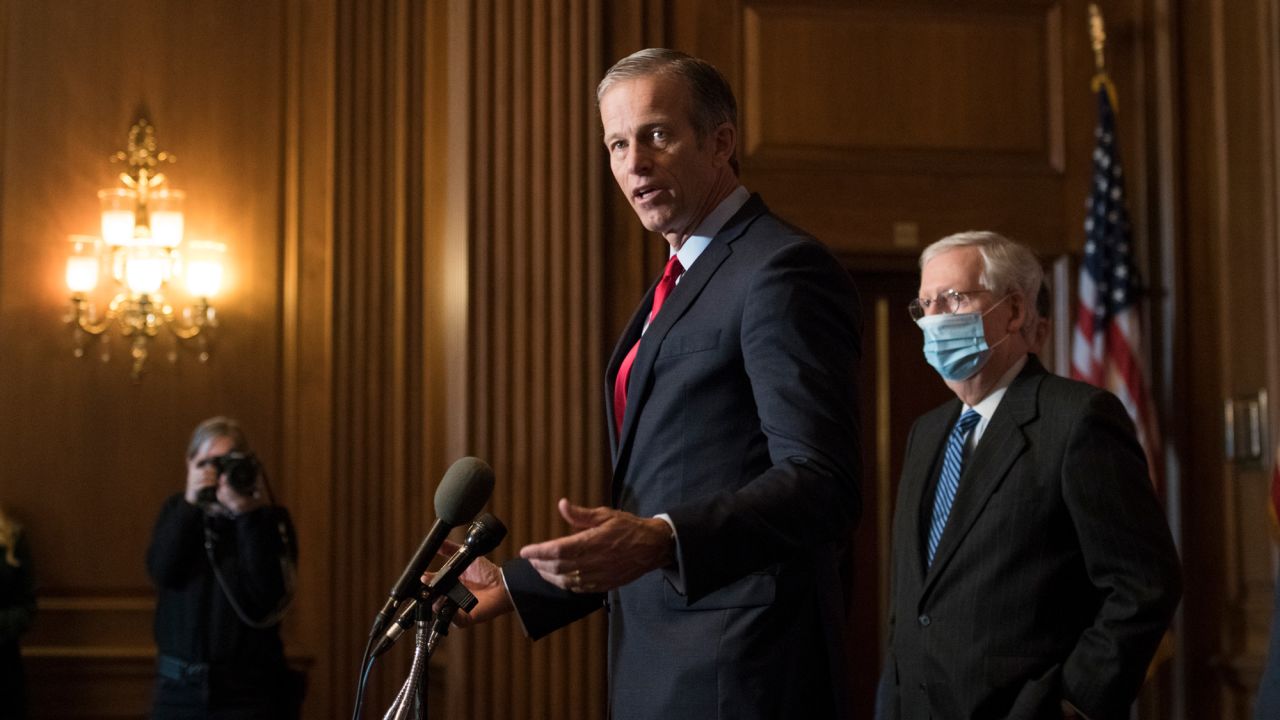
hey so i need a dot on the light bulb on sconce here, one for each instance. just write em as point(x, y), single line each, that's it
point(142, 250)
point(204, 268)
point(84, 264)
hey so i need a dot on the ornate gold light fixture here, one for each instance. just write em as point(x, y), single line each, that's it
point(141, 249)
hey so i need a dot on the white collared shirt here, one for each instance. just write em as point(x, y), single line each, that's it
point(986, 407)
point(713, 223)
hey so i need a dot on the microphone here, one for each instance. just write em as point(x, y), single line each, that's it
point(485, 534)
point(463, 491)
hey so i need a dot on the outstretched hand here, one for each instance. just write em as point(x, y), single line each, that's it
point(610, 548)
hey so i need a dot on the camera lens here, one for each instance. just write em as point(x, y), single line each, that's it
point(241, 470)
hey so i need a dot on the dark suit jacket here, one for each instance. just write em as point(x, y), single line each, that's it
point(741, 424)
point(1055, 577)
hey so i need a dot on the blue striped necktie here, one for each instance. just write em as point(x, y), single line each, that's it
point(949, 480)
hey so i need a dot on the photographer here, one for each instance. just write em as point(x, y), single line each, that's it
point(222, 556)
point(17, 608)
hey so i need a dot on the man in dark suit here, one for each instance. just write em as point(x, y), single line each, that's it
point(732, 414)
point(1033, 571)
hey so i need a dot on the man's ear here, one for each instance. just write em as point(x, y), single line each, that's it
point(1019, 317)
point(724, 140)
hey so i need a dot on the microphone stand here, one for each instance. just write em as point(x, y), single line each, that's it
point(412, 695)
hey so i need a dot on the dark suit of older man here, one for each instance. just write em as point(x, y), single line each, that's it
point(1054, 576)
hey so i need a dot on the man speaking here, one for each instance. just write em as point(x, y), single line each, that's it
point(732, 412)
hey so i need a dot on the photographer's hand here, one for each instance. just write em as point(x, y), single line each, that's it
point(199, 476)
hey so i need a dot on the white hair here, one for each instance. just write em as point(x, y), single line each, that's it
point(1007, 267)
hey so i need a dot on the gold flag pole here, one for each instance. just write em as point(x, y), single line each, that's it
point(1098, 37)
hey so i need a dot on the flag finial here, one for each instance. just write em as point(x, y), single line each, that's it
point(1098, 34)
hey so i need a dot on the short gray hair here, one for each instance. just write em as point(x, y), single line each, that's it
point(216, 427)
point(1007, 267)
point(711, 97)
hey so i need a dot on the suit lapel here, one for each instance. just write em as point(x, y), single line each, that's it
point(678, 302)
point(691, 285)
point(986, 469)
point(918, 469)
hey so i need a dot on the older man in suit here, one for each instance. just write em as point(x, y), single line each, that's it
point(1033, 570)
point(732, 415)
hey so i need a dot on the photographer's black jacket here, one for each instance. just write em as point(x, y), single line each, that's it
point(194, 621)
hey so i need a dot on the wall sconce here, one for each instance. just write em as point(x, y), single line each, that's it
point(141, 249)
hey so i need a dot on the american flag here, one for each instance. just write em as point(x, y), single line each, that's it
point(1107, 347)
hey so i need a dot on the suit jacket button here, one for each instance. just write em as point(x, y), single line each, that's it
point(924, 620)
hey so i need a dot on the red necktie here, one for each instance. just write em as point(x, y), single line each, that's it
point(668, 281)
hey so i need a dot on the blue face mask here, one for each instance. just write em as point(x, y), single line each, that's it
point(956, 345)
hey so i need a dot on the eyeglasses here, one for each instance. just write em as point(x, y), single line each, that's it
point(948, 302)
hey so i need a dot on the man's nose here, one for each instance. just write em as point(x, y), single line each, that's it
point(639, 160)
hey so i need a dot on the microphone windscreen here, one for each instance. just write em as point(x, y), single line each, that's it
point(463, 491)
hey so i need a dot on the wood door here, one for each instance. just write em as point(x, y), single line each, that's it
point(896, 386)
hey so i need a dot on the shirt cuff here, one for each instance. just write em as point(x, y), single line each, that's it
point(667, 519)
point(502, 574)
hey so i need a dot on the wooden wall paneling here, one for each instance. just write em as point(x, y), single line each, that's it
point(535, 330)
point(384, 467)
point(1269, 29)
point(1268, 33)
point(1230, 224)
point(1205, 226)
point(1164, 270)
point(90, 455)
point(925, 113)
point(1250, 77)
point(6, 41)
point(306, 339)
point(444, 268)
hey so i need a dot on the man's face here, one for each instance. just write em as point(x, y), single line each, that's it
point(667, 174)
point(960, 269)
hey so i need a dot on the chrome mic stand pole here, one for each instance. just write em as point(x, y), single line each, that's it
point(424, 645)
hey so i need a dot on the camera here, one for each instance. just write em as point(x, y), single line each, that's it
point(240, 468)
